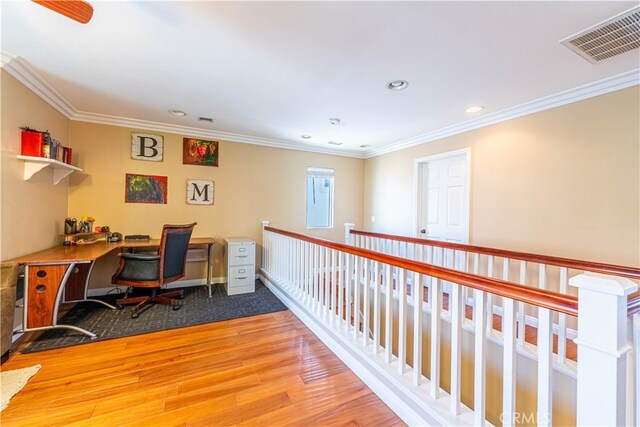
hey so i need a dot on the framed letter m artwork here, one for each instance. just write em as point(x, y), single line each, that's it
point(199, 192)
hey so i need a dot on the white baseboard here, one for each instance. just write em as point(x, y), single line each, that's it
point(95, 292)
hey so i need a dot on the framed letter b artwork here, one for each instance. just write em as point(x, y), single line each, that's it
point(199, 152)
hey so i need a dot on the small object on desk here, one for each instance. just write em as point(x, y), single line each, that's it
point(137, 237)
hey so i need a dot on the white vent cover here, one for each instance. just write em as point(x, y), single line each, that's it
point(609, 38)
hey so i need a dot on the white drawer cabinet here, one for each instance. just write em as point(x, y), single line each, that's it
point(240, 260)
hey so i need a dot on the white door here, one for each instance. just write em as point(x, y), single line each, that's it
point(443, 197)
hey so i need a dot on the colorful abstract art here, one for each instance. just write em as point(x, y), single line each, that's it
point(199, 152)
point(146, 189)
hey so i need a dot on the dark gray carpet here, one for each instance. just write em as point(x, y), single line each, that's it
point(197, 309)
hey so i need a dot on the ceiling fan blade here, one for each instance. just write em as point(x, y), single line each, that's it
point(77, 10)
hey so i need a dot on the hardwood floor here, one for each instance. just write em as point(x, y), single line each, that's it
point(267, 370)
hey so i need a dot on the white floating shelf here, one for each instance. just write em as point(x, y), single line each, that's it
point(33, 165)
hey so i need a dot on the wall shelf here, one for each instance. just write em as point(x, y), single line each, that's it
point(33, 165)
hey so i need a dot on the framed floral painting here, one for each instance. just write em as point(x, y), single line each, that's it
point(199, 152)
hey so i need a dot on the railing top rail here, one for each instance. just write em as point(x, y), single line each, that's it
point(555, 301)
point(595, 267)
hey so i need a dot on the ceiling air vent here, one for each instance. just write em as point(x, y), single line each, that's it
point(612, 37)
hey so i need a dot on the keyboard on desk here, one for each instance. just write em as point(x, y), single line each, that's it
point(137, 237)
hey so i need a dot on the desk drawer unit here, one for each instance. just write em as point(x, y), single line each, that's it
point(240, 257)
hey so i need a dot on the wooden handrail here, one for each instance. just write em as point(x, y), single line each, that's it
point(555, 301)
point(595, 267)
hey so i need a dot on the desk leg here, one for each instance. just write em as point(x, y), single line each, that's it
point(209, 284)
point(43, 289)
point(78, 285)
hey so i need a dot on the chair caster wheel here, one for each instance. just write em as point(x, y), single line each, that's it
point(176, 307)
point(135, 315)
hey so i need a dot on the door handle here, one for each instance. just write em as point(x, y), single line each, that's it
point(423, 231)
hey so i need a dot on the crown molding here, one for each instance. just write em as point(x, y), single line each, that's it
point(27, 75)
point(589, 90)
point(83, 116)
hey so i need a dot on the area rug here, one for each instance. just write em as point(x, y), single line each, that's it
point(11, 382)
point(197, 309)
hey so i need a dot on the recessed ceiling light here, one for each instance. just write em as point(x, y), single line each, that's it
point(178, 113)
point(397, 85)
point(474, 109)
point(305, 136)
point(365, 146)
point(334, 121)
point(335, 143)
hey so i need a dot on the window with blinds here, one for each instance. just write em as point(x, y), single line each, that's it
point(319, 198)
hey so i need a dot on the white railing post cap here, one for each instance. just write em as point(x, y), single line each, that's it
point(265, 223)
point(604, 284)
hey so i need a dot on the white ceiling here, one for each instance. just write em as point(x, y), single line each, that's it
point(268, 72)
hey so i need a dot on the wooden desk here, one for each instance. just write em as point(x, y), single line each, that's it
point(61, 275)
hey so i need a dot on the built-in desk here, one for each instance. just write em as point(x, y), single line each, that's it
point(61, 275)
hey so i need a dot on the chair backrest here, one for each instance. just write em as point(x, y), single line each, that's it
point(173, 251)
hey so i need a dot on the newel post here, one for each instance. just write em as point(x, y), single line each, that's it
point(348, 237)
point(602, 348)
point(265, 224)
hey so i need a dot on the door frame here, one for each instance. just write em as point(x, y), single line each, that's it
point(417, 185)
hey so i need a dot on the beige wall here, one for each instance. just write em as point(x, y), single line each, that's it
point(32, 211)
point(562, 182)
point(252, 183)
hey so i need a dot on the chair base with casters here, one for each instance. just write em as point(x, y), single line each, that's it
point(152, 271)
point(142, 303)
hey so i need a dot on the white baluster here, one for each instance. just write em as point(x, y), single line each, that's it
point(348, 292)
point(479, 380)
point(509, 362)
point(417, 329)
point(489, 297)
point(326, 271)
point(341, 280)
point(522, 315)
point(366, 291)
point(545, 368)
point(356, 297)
point(456, 308)
point(562, 320)
point(402, 320)
point(376, 307)
point(436, 308)
point(388, 327)
point(333, 285)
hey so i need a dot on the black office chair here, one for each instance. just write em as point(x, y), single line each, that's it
point(151, 271)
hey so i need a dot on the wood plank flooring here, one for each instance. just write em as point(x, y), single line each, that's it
point(267, 370)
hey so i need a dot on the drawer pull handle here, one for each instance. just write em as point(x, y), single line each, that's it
point(241, 278)
point(41, 288)
point(242, 256)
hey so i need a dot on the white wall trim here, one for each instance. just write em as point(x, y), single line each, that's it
point(579, 93)
point(94, 292)
point(27, 75)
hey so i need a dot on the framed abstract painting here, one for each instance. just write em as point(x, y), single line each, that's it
point(145, 189)
point(199, 152)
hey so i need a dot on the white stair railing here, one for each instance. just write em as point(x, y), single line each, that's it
point(544, 272)
point(329, 284)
